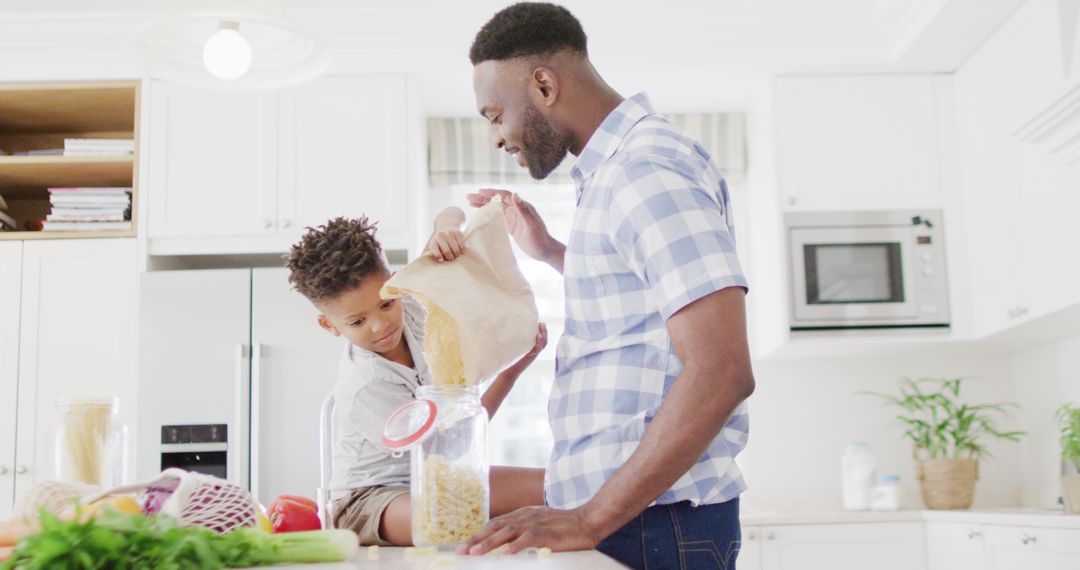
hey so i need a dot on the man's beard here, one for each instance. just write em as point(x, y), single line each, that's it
point(544, 146)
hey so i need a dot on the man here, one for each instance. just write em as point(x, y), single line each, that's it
point(653, 366)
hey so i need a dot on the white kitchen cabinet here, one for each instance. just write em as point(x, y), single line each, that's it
point(750, 548)
point(10, 283)
point(76, 338)
point(859, 142)
point(1011, 547)
point(258, 168)
point(213, 162)
point(891, 546)
point(955, 546)
point(897, 546)
point(235, 347)
point(343, 153)
point(1018, 194)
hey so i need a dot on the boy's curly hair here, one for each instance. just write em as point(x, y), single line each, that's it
point(334, 257)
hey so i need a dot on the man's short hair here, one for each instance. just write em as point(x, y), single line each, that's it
point(334, 257)
point(528, 29)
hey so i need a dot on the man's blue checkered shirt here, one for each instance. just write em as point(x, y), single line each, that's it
point(652, 233)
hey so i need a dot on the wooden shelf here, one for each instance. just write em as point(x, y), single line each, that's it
point(7, 236)
point(36, 116)
point(26, 176)
point(36, 108)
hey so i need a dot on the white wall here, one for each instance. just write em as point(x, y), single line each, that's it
point(1045, 378)
point(805, 411)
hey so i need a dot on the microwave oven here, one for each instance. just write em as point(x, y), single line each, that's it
point(852, 270)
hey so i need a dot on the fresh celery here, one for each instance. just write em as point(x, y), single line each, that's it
point(133, 541)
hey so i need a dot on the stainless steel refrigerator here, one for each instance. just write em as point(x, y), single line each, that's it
point(233, 368)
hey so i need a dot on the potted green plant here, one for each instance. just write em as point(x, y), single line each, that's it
point(1068, 418)
point(949, 437)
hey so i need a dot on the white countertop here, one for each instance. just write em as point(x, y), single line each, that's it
point(1004, 516)
point(395, 558)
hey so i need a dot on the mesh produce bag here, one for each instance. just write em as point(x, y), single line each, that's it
point(195, 499)
point(54, 496)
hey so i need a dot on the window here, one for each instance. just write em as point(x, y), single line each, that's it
point(520, 434)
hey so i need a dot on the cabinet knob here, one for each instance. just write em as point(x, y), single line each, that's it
point(4, 470)
point(1028, 539)
point(770, 535)
point(752, 535)
point(1021, 311)
point(267, 223)
point(21, 470)
point(973, 534)
point(285, 223)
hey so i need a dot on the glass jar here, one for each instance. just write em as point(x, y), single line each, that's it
point(886, 493)
point(445, 430)
point(90, 443)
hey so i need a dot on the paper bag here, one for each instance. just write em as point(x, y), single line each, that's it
point(482, 291)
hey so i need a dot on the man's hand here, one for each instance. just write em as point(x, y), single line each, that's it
point(525, 225)
point(556, 529)
point(446, 245)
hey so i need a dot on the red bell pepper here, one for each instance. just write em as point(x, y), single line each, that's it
point(289, 513)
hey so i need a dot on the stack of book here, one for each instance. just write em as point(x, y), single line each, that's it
point(89, 209)
point(98, 147)
point(7, 223)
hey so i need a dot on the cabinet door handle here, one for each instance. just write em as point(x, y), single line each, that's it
point(770, 535)
point(285, 223)
point(752, 535)
point(1021, 311)
point(21, 470)
point(1028, 539)
point(973, 534)
point(4, 470)
point(267, 223)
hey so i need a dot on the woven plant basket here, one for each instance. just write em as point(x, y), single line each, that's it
point(1070, 491)
point(948, 483)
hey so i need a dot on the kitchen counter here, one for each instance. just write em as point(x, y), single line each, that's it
point(1053, 518)
point(395, 558)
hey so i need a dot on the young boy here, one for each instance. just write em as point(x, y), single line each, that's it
point(339, 267)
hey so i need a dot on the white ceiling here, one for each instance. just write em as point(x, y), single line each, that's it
point(773, 35)
point(706, 37)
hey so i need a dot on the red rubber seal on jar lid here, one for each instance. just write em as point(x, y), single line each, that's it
point(409, 424)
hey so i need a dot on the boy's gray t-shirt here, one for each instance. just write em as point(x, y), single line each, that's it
point(369, 388)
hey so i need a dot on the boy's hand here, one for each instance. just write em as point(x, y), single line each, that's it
point(541, 342)
point(447, 245)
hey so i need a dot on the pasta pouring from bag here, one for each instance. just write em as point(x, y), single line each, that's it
point(481, 312)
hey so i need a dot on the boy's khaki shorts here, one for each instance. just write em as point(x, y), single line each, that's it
point(362, 510)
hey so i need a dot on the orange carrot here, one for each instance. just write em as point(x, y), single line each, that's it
point(11, 532)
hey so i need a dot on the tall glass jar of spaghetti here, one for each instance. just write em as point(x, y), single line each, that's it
point(445, 429)
point(90, 442)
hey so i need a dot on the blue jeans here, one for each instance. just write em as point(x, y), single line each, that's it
point(679, 536)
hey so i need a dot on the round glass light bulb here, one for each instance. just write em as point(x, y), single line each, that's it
point(227, 54)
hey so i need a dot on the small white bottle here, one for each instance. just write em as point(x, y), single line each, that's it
point(857, 476)
point(886, 493)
